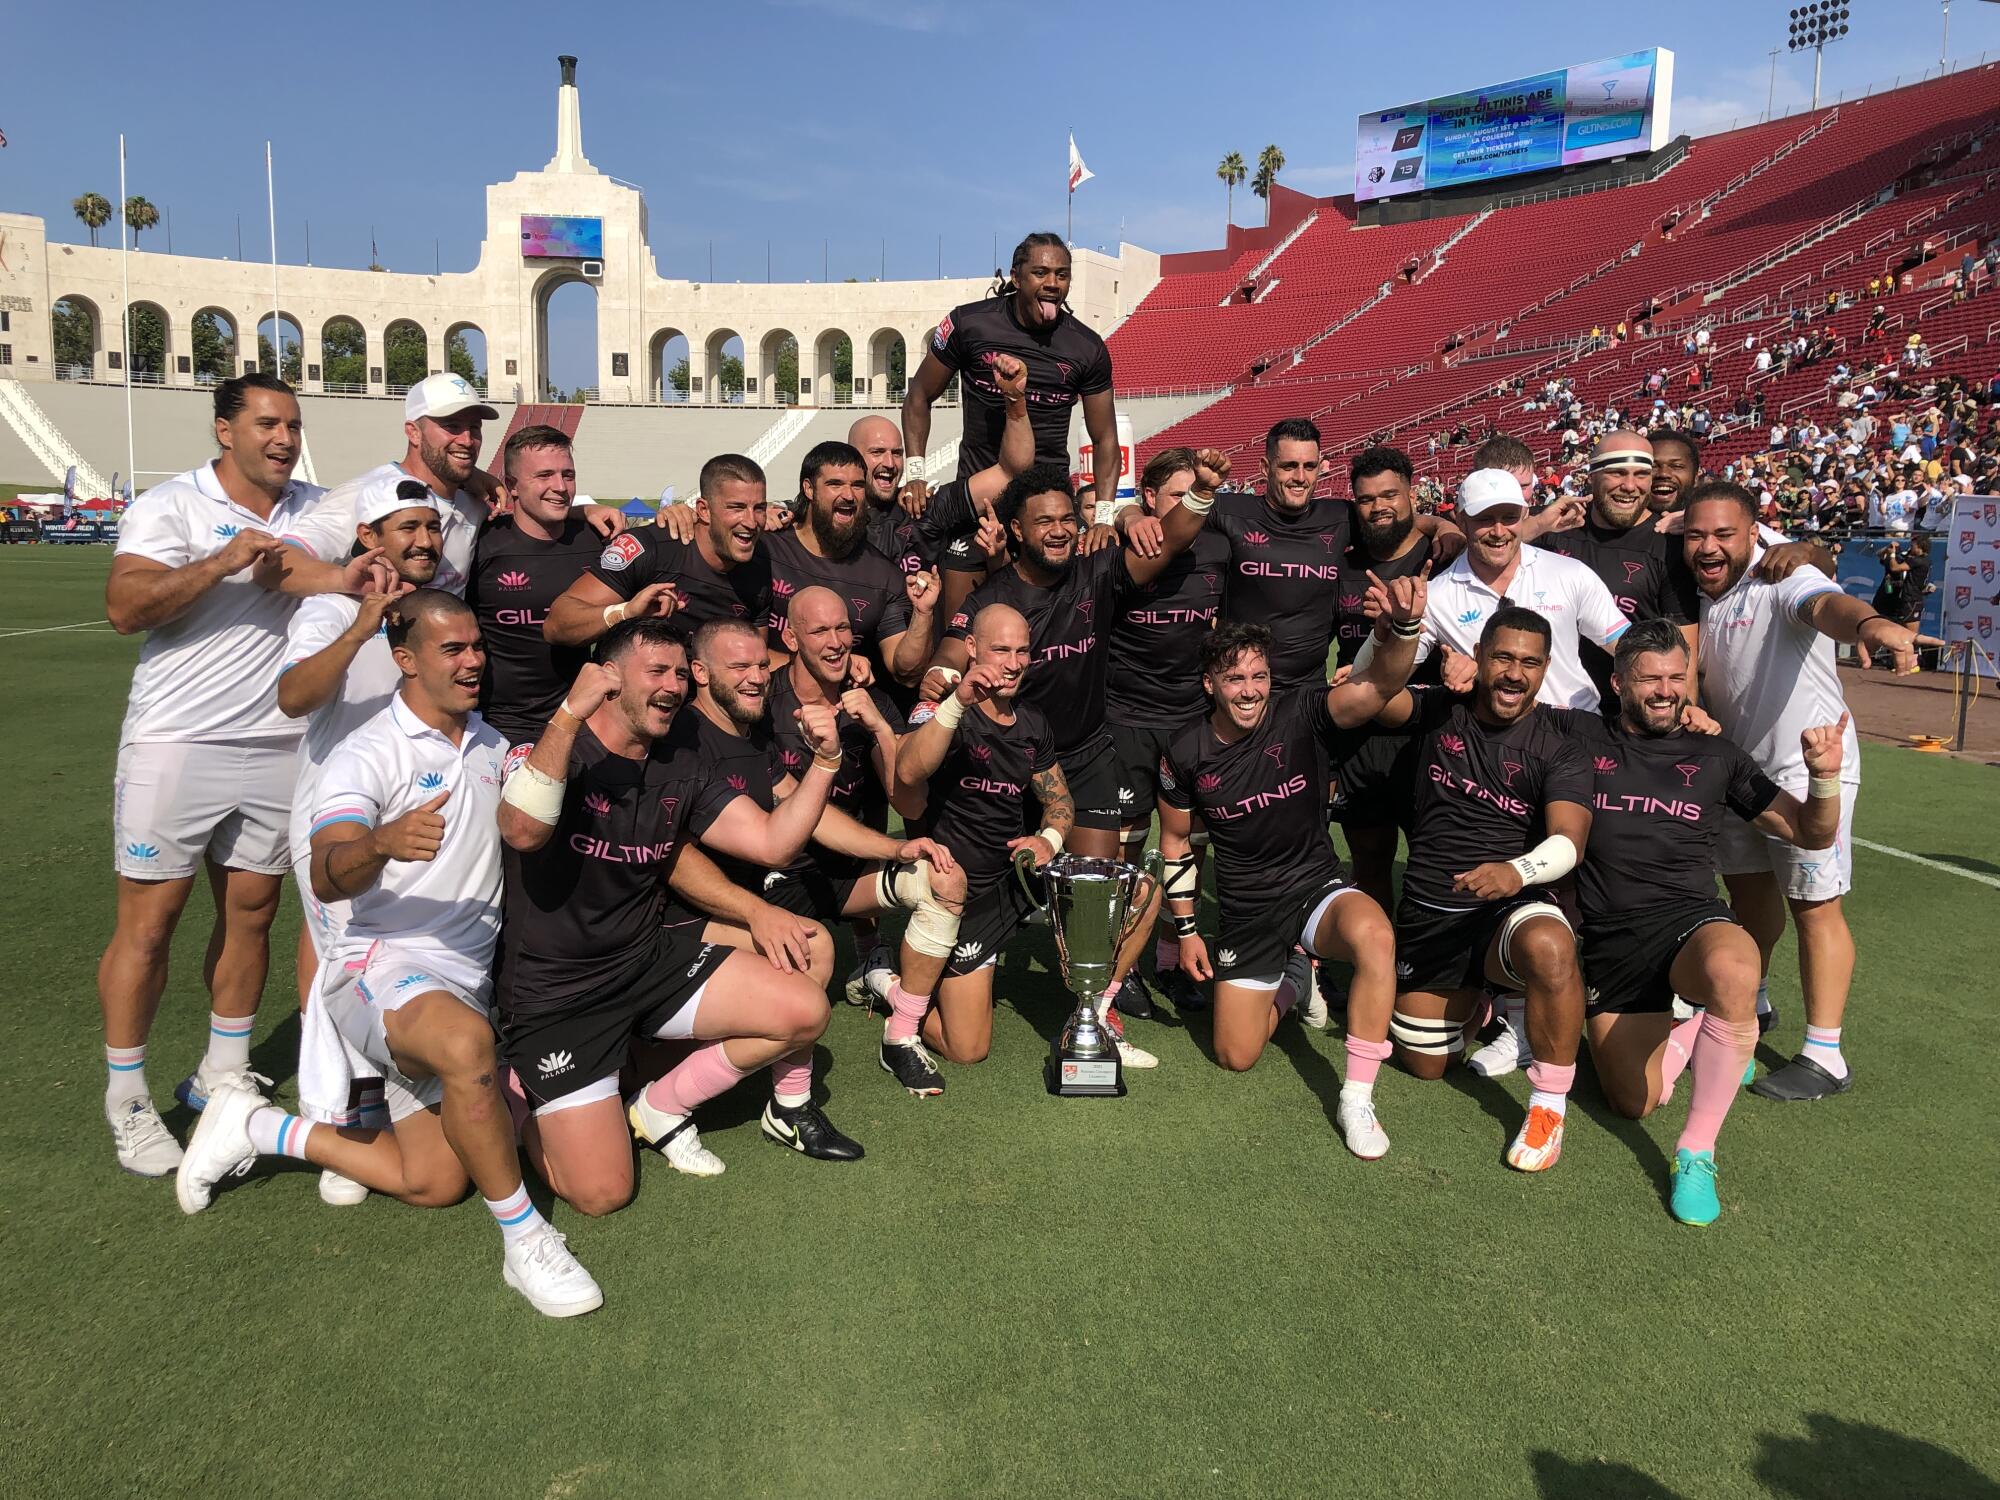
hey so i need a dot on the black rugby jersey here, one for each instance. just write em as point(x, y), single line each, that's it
point(1284, 574)
point(515, 578)
point(1066, 362)
point(646, 554)
point(979, 797)
point(1153, 680)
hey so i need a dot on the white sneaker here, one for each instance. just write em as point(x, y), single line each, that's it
point(1312, 1009)
point(1363, 1133)
point(1131, 1056)
point(340, 1192)
point(199, 1087)
point(869, 980)
point(685, 1153)
point(1308, 1004)
point(146, 1148)
point(540, 1267)
point(1505, 1054)
point(220, 1146)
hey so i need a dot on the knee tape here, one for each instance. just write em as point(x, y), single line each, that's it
point(933, 927)
point(1514, 921)
point(1422, 1034)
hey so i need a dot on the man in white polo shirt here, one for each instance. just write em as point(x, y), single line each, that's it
point(205, 759)
point(1767, 672)
point(405, 828)
point(443, 426)
point(1495, 569)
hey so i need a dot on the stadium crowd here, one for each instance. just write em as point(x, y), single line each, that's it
point(573, 809)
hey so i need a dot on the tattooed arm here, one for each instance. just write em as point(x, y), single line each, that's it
point(1058, 814)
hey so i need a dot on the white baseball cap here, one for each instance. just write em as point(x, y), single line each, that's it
point(382, 498)
point(445, 395)
point(1485, 489)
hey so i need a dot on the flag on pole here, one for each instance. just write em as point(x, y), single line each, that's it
point(1079, 174)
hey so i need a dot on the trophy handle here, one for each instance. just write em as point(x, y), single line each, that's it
point(1024, 869)
point(1143, 891)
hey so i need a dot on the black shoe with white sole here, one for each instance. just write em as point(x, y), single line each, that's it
point(1133, 1000)
point(911, 1065)
point(807, 1131)
point(1181, 991)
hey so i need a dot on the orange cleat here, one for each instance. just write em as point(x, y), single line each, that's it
point(1540, 1142)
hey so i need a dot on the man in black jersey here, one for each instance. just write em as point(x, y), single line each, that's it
point(891, 613)
point(865, 872)
point(598, 820)
point(1154, 682)
point(1377, 777)
point(1254, 769)
point(1028, 317)
point(970, 766)
point(1070, 604)
point(1652, 926)
point(724, 574)
point(1503, 804)
point(522, 563)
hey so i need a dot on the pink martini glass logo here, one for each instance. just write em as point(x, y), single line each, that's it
point(1510, 769)
point(860, 605)
point(1687, 773)
point(1276, 754)
point(1632, 571)
point(1085, 606)
point(597, 804)
point(512, 580)
point(669, 805)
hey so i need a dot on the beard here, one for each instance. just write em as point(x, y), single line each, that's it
point(743, 712)
point(1382, 539)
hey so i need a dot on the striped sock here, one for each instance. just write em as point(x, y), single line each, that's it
point(125, 1074)
point(1823, 1047)
point(275, 1133)
point(228, 1042)
point(516, 1215)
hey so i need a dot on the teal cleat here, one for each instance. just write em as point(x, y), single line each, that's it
point(1749, 1072)
point(1693, 1200)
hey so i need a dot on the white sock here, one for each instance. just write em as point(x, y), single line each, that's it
point(1558, 1103)
point(516, 1215)
point(275, 1133)
point(1764, 998)
point(228, 1042)
point(125, 1074)
point(1360, 1093)
point(1823, 1047)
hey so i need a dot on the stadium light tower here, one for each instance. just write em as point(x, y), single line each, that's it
point(1814, 25)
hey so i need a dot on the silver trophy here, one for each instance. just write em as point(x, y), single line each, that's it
point(1093, 906)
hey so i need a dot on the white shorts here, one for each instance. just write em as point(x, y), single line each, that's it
point(326, 921)
point(1803, 874)
point(354, 995)
point(174, 803)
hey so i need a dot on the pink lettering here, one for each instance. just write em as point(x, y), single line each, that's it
point(619, 854)
point(1255, 569)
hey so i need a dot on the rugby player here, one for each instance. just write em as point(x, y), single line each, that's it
point(1676, 468)
point(1255, 771)
point(443, 425)
point(1503, 808)
point(205, 759)
point(1652, 928)
point(597, 817)
point(524, 562)
point(1767, 676)
point(943, 538)
point(1153, 685)
point(735, 743)
point(404, 832)
point(1027, 317)
point(968, 767)
point(723, 574)
point(337, 675)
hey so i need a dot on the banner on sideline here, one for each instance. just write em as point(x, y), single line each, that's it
point(1972, 577)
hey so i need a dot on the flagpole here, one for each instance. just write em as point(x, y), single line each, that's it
point(1069, 211)
point(125, 281)
point(277, 325)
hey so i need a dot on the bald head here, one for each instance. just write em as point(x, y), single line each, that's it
point(880, 444)
point(998, 623)
point(820, 636)
point(1621, 478)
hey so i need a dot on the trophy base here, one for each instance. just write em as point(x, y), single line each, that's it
point(1097, 1077)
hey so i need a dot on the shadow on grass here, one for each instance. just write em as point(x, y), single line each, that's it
point(1559, 1478)
point(1589, 1097)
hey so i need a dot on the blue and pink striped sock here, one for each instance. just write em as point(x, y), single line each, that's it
point(125, 1074)
point(275, 1133)
point(228, 1042)
point(516, 1215)
point(1823, 1047)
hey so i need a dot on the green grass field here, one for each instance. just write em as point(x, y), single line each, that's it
point(1191, 1291)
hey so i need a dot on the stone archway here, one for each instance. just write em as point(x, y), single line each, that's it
point(888, 369)
point(465, 353)
point(833, 368)
point(76, 330)
point(406, 355)
point(722, 374)
point(283, 344)
point(343, 356)
point(669, 366)
point(777, 370)
point(216, 346)
point(149, 344)
point(566, 361)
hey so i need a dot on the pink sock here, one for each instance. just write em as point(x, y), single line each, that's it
point(792, 1078)
point(1166, 955)
point(1365, 1059)
point(1719, 1055)
point(1680, 1048)
point(1548, 1084)
point(906, 1012)
point(700, 1076)
point(1110, 996)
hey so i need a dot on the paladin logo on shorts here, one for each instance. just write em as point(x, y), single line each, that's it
point(965, 953)
point(554, 1063)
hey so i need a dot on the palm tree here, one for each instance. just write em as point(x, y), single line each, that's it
point(1232, 171)
point(1270, 162)
point(95, 211)
point(141, 215)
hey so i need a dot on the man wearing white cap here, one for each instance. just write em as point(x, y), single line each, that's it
point(1496, 570)
point(443, 422)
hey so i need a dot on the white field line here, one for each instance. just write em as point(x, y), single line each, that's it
point(46, 629)
point(1932, 864)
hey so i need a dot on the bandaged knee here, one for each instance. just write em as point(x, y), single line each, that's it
point(1425, 1035)
point(933, 927)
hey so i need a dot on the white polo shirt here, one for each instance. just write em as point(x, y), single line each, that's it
point(212, 673)
point(445, 910)
point(371, 681)
point(1767, 675)
point(328, 531)
point(1573, 599)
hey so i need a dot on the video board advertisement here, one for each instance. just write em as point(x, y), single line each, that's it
point(553, 237)
point(1613, 106)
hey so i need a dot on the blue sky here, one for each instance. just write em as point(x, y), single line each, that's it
point(869, 127)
